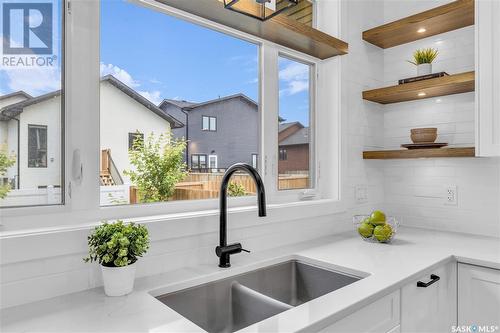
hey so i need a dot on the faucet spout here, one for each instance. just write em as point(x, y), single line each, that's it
point(224, 251)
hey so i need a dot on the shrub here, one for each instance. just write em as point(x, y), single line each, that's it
point(235, 190)
point(158, 166)
point(6, 161)
point(117, 244)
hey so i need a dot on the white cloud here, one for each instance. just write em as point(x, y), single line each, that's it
point(119, 73)
point(153, 96)
point(125, 77)
point(35, 80)
point(295, 76)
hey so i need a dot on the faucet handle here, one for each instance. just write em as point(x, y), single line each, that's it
point(244, 250)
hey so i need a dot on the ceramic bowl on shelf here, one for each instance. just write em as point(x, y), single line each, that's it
point(390, 220)
point(423, 135)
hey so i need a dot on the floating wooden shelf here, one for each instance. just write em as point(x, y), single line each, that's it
point(279, 29)
point(441, 19)
point(440, 86)
point(419, 153)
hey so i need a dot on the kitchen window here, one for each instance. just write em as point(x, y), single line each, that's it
point(295, 126)
point(130, 83)
point(37, 146)
point(209, 123)
point(32, 111)
point(172, 103)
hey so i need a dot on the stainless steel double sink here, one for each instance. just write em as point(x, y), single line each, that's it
point(230, 304)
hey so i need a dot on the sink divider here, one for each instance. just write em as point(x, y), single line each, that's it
point(255, 306)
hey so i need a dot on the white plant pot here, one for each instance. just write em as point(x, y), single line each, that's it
point(118, 281)
point(424, 69)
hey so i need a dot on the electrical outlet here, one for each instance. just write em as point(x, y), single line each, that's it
point(451, 196)
point(361, 193)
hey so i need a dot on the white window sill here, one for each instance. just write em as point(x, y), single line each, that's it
point(275, 213)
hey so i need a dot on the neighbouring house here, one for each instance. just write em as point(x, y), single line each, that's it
point(293, 152)
point(30, 127)
point(220, 132)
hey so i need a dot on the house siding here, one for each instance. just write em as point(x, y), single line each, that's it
point(237, 134)
point(121, 115)
point(297, 159)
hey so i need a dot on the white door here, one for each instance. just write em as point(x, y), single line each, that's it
point(487, 28)
point(429, 303)
point(478, 296)
point(212, 162)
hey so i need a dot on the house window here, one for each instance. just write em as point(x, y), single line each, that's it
point(135, 138)
point(37, 146)
point(209, 123)
point(282, 154)
point(198, 161)
point(294, 129)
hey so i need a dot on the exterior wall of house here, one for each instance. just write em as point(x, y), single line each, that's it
point(121, 115)
point(8, 133)
point(297, 159)
point(178, 114)
point(46, 113)
point(236, 138)
point(4, 131)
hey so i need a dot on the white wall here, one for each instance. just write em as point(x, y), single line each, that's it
point(415, 190)
point(121, 115)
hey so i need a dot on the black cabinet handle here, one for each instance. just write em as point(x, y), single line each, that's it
point(434, 278)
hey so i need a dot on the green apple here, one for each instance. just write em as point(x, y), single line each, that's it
point(365, 229)
point(377, 218)
point(382, 232)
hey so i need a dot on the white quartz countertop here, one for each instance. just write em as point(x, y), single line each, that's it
point(388, 267)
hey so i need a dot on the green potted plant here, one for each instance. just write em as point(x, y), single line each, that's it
point(423, 59)
point(116, 247)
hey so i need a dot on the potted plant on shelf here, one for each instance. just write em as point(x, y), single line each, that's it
point(116, 247)
point(423, 59)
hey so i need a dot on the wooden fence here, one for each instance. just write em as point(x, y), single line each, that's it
point(207, 185)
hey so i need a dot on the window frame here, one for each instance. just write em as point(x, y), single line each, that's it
point(135, 135)
point(209, 119)
point(199, 161)
point(46, 128)
point(283, 156)
point(313, 159)
point(81, 90)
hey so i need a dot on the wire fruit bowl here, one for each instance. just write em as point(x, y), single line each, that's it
point(390, 220)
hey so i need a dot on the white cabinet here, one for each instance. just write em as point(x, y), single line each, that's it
point(381, 316)
point(487, 26)
point(478, 296)
point(429, 303)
